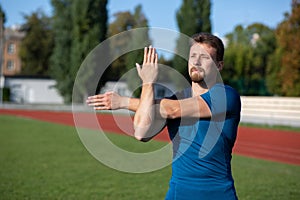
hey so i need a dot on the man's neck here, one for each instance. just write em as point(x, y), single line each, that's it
point(199, 88)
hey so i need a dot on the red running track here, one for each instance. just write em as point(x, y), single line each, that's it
point(268, 144)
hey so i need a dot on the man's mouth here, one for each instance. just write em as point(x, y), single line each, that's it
point(194, 69)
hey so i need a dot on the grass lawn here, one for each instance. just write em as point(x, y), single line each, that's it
point(40, 160)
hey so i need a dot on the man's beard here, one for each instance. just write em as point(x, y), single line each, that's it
point(198, 76)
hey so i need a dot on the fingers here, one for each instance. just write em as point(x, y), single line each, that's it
point(150, 55)
point(138, 68)
point(95, 98)
point(145, 55)
point(100, 102)
point(155, 58)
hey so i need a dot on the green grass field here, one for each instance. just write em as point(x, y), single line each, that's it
point(40, 160)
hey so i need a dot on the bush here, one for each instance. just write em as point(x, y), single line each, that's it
point(6, 94)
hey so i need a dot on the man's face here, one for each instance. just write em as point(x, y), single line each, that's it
point(202, 65)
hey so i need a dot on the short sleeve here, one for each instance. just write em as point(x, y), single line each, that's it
point(222, 100)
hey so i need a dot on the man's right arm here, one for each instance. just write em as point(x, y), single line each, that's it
point(190, 107)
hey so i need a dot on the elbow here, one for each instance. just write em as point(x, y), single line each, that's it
point(170, 113)
point(142, 139)
point(169, 110)
point(140, 134)
point(173, 114)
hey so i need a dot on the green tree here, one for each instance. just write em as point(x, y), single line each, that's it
point(89, 29)
point(61, 57)
point(284, 76)
point(85, 21)
point(192, 17)
point(37, 46)
point(2, 22)
point(126, 21)
point(263, 44)
point(3, 95)
point(139, 38)
point(2, 17)
point(273, 78)
point(246, 57)
point(236, 66)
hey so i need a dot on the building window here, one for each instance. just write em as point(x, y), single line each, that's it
point(10, 65)
point(11, 48)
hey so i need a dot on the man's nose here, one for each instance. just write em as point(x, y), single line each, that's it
point(197, 62)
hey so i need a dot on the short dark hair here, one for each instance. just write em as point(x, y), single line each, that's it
point(212, 40)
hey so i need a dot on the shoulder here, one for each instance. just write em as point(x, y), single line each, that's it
point(227, 90)
point(231, 92)
point(233, 98)
point(225, 95)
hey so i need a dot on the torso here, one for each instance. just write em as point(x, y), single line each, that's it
point(202, 147)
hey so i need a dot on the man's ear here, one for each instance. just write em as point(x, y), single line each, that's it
point(220, 65)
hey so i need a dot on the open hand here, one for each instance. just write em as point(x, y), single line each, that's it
point(149, 70)
point(106, 101)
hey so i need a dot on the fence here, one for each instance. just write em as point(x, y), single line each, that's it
point(271, 110)
point(258, 110)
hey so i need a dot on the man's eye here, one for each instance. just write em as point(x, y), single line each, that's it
point(205, 56)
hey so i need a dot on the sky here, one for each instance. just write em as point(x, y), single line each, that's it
point(225, 14)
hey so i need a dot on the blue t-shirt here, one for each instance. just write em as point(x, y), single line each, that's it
point(202, 148)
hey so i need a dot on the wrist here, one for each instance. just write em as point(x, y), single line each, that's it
point(148, 84)
point(124, 102)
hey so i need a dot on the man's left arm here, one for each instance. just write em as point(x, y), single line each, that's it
point(146, 122)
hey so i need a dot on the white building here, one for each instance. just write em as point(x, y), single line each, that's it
point(32, 90)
